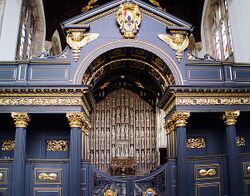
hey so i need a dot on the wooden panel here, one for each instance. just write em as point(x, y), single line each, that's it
point(209, 74)
point(47, 192)
point(208, 189)
point(4, 192)
point(207, 172)
point(246, 187)
point(48, 176)
point(8, 73)
point(242, 74)
point(46, 73)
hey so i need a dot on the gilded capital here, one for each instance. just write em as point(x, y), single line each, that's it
point(230, 117)
point(20, 119)
point(180, 118)
point(75, 119)
point(86, 127)
point(169, 126)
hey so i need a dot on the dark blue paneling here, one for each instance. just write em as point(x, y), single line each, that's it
point(241, 73)
point(8, 73)
point(205, 74)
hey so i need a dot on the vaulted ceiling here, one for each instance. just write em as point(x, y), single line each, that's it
point(57, 11)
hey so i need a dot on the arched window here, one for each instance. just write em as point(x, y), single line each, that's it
point(217, 30)
point(26, 33)
point(32, 30)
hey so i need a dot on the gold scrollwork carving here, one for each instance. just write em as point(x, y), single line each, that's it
point(207, 173)
point(129, 18)
point(20, 119)
point(8, 145)
point(196, 143)
point(76, 39)
point(230, 117)
point(89, 6)
point(177, 42)
point(57, 145)
point(240, 141)
point(47, 176)
point(150, 192)
point(109, 192)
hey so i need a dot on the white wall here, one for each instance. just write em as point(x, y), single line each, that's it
point(10, 29)
point(239, 16)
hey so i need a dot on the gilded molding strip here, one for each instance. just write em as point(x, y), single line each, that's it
point(57, 145)
point(41, 101)
point(240, 141)
point(212, 101)
point(8, 145)
point(198, 143)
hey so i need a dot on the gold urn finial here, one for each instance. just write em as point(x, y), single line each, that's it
point(230, 117)
point(20, 119)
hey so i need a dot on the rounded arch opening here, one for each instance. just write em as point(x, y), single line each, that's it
point(98, 51)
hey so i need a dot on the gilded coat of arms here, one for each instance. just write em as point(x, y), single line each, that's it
point(129, 18)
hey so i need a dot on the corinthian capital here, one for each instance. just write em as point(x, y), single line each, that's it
point(180, 118)
point(75, 119)
point(230, 117)
point(20, 119)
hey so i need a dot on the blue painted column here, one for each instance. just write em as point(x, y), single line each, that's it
point(75, 122)
point(180, 120)
point(18, 177)
point(230, 118)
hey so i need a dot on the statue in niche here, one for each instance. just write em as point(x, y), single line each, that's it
point(137, 157)
point(97, 157)
point(108, 157)
point(122, 132)
point(148, 156)
point(92, 157)
point(102, 157)
point(113, 133)
point(148, 143)
point(126, 115)
point(131, 116)
point(136, 118)
point(126, 132)
point(142, 157)
point(113, 116)
point(97, 118)
point(147, 119)
point(103, 118)
point(147, 132)
point(118, 132)
point(118, 115)
point(122, 114)
point(108, 118)
point(113, 151)
point(131, 154)
point(102, 144)
point(142, 142)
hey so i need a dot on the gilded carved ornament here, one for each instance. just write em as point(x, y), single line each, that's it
point(129, 18)
point(8, 145)
point(75, 119)
point(47, 176)
point(150, 192)
point(57, 145)
point(76, 39)
point(109, 192)
point(1, 176)
point(20, 119)
point(240, 141)
point(230, 117)
point(89, 6)
point(207, 173)
point(198, 143)
point(177, 41)
point(86, 126)
point(180, 118)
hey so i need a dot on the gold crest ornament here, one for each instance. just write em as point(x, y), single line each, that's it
point(76, 39)
point(109, 193)
point(89, 6)
point(177, 42)
point(150, 192)
point(129, 17)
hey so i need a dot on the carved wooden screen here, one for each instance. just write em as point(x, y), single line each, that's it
point(123, 125)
